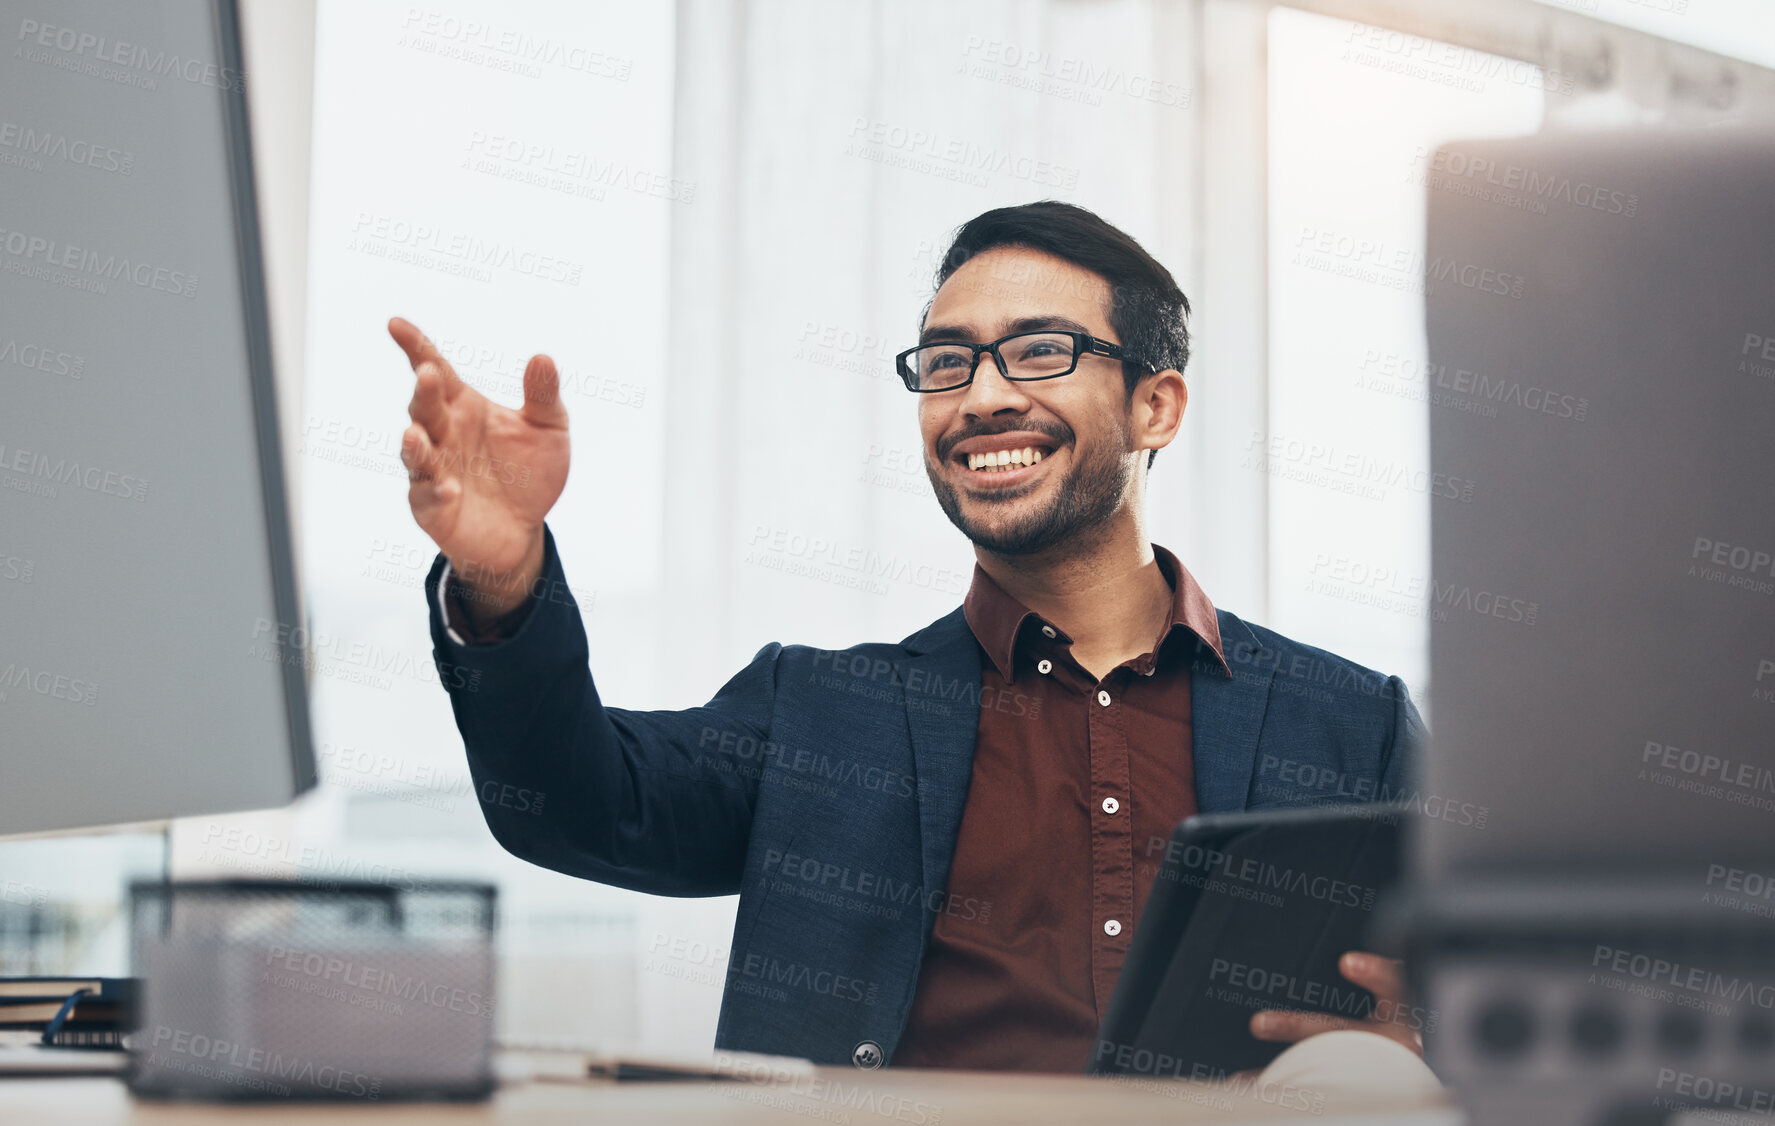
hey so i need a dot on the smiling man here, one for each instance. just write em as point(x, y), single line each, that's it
point(941, 845)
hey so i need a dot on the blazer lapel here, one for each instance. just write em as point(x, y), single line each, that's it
point(941, 679)
point(1226, 716)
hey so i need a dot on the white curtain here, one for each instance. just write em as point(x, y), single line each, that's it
point(834, 148)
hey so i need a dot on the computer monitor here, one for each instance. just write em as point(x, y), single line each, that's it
point(151, 660)
point(1601, 322)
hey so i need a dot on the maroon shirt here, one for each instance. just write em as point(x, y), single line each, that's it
point(1071, 781)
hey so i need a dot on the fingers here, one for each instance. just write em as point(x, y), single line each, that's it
point(1383, 977)
point(419, 454)
point(420, 350)
point(1287, 1026)
point(1284, 1026)
point(428, 407)
point(431, 491)
point(414, 343)
point(542, 394)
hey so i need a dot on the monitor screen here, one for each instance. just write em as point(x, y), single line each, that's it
point(152, 661)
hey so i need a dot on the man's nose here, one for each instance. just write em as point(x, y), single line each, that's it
point(991, 392)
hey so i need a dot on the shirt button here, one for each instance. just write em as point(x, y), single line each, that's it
point(1152, 670)
point(1048, 631)
point(1103, 698)
point(1112, 928)
point(867, 1055)
point(1110, 805)
point(1043, 666)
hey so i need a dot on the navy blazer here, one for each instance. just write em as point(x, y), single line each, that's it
point(826, 787)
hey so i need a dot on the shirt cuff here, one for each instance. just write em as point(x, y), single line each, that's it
point(447, 611)
point(457, 624)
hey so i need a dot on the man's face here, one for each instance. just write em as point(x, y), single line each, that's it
point(1077, 424)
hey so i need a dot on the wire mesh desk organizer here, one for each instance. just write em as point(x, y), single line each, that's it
point(264, 989)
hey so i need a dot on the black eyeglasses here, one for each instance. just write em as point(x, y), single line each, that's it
point(1022, 356)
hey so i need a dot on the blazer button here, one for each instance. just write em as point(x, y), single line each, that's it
point(867, 1055)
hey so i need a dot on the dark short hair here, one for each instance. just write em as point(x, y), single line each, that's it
point(1146, 308)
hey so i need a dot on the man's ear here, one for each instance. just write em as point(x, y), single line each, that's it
point(1156, 409)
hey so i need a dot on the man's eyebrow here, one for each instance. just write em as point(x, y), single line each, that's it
point(944, 332)
point(1036, 324)
point(1021, 324)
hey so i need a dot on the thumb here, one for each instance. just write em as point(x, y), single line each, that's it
point(542, 394)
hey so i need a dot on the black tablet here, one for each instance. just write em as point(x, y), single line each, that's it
point(1248, 911)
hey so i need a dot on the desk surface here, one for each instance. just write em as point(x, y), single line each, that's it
point(844, 1097)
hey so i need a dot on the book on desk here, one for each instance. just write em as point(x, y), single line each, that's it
point(69, 1012)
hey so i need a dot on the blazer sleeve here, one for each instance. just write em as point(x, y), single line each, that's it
point(656, 801)
point(1403, 758)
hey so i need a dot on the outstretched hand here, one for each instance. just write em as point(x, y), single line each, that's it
point(482, 477)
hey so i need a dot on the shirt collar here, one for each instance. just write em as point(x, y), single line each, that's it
point(999, 621)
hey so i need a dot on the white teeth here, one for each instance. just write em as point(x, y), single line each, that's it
point(998, 461)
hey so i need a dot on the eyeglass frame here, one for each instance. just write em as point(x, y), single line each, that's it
point(1083, 344)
